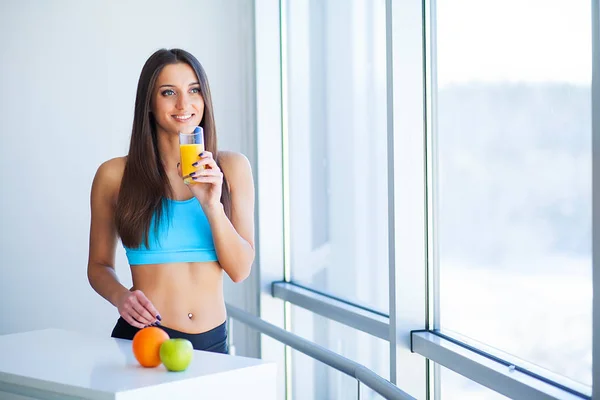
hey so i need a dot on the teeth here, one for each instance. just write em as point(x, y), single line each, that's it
point(182, 117)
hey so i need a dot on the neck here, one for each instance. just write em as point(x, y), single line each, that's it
point(168, 147)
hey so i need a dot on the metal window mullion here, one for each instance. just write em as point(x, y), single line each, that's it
point(285, 151)
point(330, 308)
point(390, 183)
point(269, 172)
point(407, 190)
point(433, 271)
point(596, 197)
point(508, 380)
point(285, 192)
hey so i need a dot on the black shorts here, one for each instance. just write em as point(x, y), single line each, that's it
point(214, 340)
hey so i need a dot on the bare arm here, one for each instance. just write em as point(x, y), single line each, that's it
point(234, 239)
point(103, 235)
point(102, 245)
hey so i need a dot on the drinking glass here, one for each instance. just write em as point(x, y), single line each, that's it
point(190, 146)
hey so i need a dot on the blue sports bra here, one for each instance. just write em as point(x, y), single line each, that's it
point(184, 237)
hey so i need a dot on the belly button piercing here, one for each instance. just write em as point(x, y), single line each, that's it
point(190, 315)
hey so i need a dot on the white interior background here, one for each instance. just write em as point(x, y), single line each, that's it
point(68, 78)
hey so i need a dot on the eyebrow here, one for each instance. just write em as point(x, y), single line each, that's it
point(191, 84)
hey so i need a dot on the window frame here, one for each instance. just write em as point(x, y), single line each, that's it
point(596, 197)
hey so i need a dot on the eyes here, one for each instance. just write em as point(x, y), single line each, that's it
point(171, 92)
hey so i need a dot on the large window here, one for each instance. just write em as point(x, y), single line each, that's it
point(337, 148)
point(436, 195)
point(513, 178)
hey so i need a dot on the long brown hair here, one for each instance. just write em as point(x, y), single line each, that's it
point(145, 185)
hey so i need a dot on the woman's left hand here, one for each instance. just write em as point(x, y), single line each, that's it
point(208, 181)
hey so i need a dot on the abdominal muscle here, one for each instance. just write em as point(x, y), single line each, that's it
point(179, 289)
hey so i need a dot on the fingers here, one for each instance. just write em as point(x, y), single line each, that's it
point(206, 161)
point(208, 179)
point(131, 315)
point(208, 176)
point(179, 169)
point(138, 311)
point(132, 321)
point(141, 314)
point(147, 304)
point(208, 171)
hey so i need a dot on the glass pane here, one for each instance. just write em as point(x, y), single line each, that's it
point(314, 380)
point(455, 386)
point(366, 393)
point(337, 148)
point(513, 178)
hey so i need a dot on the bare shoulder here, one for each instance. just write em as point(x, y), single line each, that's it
point(109, 176)
point(236, 168)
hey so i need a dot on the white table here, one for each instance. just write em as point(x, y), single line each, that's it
point(60, 364)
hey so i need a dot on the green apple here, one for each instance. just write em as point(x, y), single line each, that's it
point(176, 354)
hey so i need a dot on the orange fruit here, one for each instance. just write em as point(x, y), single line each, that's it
point(146, 346)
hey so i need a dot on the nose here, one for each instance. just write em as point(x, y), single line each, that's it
point(182, 101)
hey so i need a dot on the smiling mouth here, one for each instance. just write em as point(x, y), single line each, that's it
point(183, 117)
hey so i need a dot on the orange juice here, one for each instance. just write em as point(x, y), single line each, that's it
point(190, 153)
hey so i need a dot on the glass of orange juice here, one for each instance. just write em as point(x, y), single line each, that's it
point(190, 146)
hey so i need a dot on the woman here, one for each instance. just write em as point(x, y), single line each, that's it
point(178, 238)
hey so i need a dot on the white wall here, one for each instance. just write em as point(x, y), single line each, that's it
point(68, 75)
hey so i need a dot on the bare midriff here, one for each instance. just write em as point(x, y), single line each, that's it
point(188, 296)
